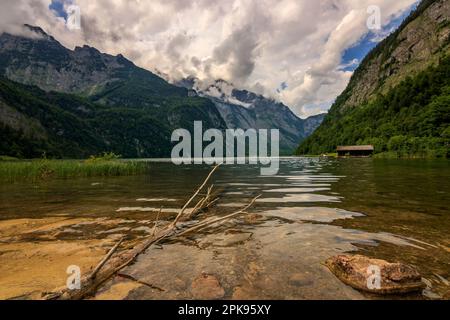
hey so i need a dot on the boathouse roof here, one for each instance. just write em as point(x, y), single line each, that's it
point(355, 148)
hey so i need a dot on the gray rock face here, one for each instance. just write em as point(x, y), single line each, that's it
point(264, 115)
point(312, 123)
point(46, 63)
point(42, 61)
point(247, 110)
point(395, 278)
point(411, 50)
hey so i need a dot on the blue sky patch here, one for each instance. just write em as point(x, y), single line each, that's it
point(370, 41)
point(57, 6)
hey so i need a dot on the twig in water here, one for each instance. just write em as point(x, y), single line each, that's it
point(214, 221)
point(127, 276)
point(106, 258)
point(174, 223)
point(156, 222)
point(108, 267)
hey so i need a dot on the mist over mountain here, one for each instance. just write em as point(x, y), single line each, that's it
point(73, 103)
point(244, 109)
point(124, 108)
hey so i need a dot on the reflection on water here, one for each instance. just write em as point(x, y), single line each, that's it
point(313, 209)
point(300, 198)
point(318, 214)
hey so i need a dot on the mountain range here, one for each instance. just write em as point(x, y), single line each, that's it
point(74, 103)
point(245, 110)
point(398, 99)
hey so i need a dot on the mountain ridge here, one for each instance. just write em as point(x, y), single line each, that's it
point(245, 110)
point(102, 84)
point(40, 71)
point(398, 98)
point(408, 50)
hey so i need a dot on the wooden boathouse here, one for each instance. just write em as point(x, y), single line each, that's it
point(355, 151)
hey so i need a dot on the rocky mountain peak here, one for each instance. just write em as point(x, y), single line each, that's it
point(51, 66)
point(39, 33)
point(87, 48)
point(244, 109)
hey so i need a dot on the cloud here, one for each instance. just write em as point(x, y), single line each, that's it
point(254, 44)
point(238, 52)
point(380, 35)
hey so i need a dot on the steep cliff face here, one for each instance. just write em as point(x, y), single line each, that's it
point(44, 62)
point(398, 98)
point(417, 44)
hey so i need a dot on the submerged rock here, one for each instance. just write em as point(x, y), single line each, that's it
point(375, 275)
point(225, 240)
point(207, 287)
point(300, 279)
point(253, 218)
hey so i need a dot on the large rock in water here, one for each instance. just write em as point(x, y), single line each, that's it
point(357, 272)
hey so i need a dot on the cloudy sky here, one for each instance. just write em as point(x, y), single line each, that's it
point(301, 52)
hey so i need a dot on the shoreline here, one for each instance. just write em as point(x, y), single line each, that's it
point(44, 169)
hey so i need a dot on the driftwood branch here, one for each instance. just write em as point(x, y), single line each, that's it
point(127, 276)
point(106, 258)
point(110, 265)
point(156, 222)
point(195, 195)
point(217, 220)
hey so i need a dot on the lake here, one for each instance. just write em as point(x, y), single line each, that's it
point(397, 210)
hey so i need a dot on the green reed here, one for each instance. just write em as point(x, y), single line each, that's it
point(44, 169)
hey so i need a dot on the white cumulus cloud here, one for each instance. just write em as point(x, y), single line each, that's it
point(254, 44)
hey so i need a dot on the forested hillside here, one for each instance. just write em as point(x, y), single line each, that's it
point(398, 98)
point(35, 122)
point(75, 103)
point(413, 119)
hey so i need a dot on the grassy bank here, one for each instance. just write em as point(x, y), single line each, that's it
point(431, 154)
point(44, 169)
